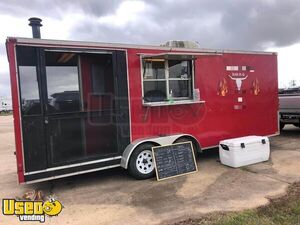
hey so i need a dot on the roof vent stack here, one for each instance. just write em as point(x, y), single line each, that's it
point(35, 23)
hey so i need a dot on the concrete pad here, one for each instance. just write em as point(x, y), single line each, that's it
point(112, 197)
point(284, 162)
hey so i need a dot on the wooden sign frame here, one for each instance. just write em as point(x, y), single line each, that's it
point(182, 174)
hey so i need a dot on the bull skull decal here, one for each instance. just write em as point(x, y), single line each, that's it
point(238, 81)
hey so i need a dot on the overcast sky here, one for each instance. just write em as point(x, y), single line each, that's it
point(227, 24)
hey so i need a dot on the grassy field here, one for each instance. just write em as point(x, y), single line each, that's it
point(5, 113)
point(281, 211)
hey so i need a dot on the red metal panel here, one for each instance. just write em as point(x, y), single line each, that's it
point(220, 117)
point(11, 43)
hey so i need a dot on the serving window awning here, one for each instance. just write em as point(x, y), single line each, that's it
point(174, 56)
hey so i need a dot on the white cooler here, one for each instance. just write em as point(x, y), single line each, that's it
point(244, 151)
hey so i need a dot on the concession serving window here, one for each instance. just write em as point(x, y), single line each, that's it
point(168, 79)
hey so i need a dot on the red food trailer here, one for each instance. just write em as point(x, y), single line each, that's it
point(80, 107)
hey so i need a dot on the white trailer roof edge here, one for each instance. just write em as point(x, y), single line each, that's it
point(90, 44)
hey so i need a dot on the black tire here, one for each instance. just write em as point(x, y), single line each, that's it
point(186, 139)
point(134, 159)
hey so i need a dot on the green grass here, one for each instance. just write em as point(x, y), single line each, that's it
point(5, 114)
point(281, 211)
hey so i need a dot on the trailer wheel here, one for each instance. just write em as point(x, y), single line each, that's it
point(185, 139)
point(141, 164)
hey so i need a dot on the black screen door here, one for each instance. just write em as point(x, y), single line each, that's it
point(32, 112)
point(84, 106)
point(74, 106)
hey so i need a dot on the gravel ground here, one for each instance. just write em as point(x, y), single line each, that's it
point(113, 197)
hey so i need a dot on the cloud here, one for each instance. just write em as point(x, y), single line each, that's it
point(261, 24)
point(288, 64)
point(227, 24)
point(234, 24)
point(217, 24)
point(56, 8)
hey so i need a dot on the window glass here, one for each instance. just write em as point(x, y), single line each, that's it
point(180, 88)
point(167, 79)
point(29, 90)
point(155, 91)
point(154, 69)
point(62, 82)
point(179, 69)
point(98, 79)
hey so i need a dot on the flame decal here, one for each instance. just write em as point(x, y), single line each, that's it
point(223, 88)
point(255, 87)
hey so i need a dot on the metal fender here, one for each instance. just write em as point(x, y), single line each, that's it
point(164, 140)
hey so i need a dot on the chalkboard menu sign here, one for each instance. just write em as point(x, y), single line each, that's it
point(174, 160)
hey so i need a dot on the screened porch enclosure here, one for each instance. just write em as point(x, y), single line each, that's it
point(70, 106)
